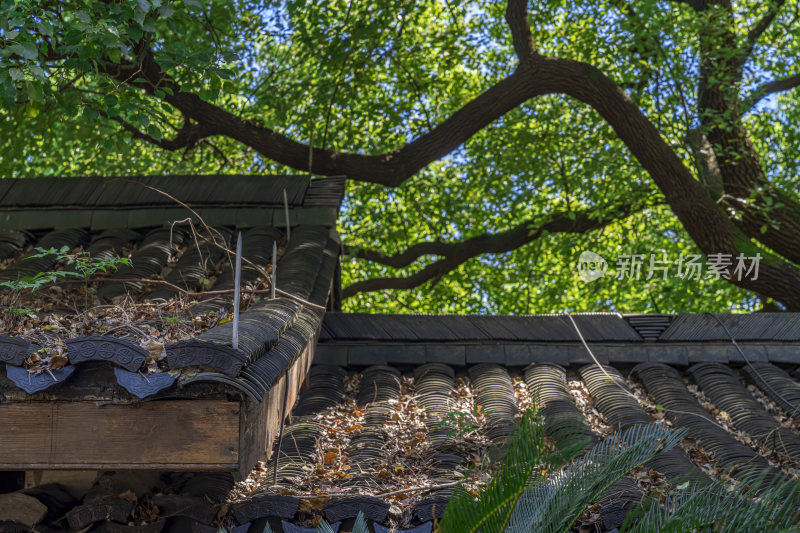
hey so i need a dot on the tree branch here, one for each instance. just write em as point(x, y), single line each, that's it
point(772, 87)
point(747, 190)
point(761, 25)
point(390, 169)
point(187, 138)
point(705, 222)
point(455, 254)
point(697, 5)
point(517, 20)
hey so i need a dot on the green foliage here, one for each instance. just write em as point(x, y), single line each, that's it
point(721, 508)
point(462, 423)
point(83, 265)
point(79, 264)
point(554, 504)
point(19, 311)
point(175, 320)
point(530, 491)
point(537, 490)
point(527, 460)
point(36, 281)
point(368, 77)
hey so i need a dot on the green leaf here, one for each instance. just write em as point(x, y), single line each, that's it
point(45, 28)
point(35, 91)
point(29, 51)
point(38, 72)
point(16, 74)
point(110, 101)
point(90, 113)
point(154, 132)
point(166, 11)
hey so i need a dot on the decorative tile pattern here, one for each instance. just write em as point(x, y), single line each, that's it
point(32, 383)
point(143, 386)
point(121, 352)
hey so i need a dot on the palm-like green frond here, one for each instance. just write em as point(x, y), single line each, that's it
point(324, 527)
point(720, 508)
point(554, 504)
point(360, 525)
point(526, 455)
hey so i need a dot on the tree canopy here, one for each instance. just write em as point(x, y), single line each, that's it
point(488, 143)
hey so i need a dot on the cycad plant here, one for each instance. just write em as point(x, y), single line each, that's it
point(720, 508)
point(524, 496)
point(554, 504)
point(360, 526)
point(533, 492)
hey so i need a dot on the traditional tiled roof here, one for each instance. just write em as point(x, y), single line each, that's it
point(104, 215)
point(363, 339)
point(739, 416)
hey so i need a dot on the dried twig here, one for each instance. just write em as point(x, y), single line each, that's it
point(381, 494)
point(225, 249)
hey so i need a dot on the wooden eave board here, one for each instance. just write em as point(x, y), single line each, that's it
point(158, 435)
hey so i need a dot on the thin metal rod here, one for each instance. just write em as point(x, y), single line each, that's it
point(237, 292)
point(274, 268)
point(283, 423)
point(286, 210)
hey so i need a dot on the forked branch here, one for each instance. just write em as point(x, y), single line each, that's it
point(454, 254)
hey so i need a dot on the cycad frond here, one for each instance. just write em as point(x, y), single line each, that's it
point(555, 503)
point(324, 527)
point(360, 525)
point(526, 454)
point(719, 507)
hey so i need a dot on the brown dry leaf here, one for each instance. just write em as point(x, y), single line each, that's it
point(155, 348)
point(146, 511)
point(330, 458)
point(223, 510)
point(128, 495)
point(57, 361)
point(313, 505)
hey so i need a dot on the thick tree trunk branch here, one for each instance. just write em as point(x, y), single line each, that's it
point(747, 189)
point(390, 169)
point(772, 87)
point(455, 254)
point(517, 20)
point(537, 75)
